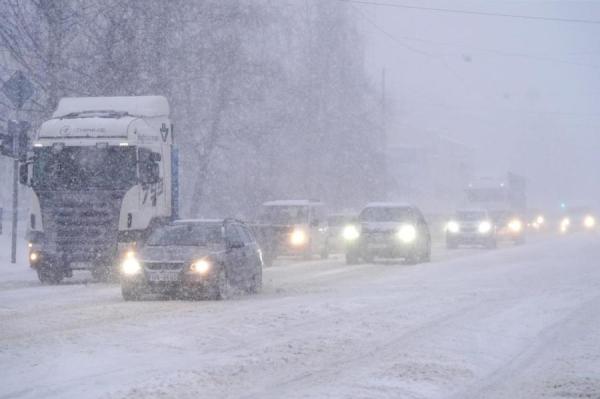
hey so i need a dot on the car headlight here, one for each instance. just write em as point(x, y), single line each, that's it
point(298, 238)
point(201, 266)
point(515, 225)
point(453, 227)
point(564, 224)
point(34, 257)
point(540, 220)
point(130, 264)
point(407, 233)
point(589, 221)
point(350, 233)
point(484, 227)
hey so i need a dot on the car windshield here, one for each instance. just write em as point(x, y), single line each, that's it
point(84, 168)
point(470, 216)
point(386, 214)
point(338, 220)
point(187, 235)
point(284, 214)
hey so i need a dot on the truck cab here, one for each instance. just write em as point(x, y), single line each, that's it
point(100, 175)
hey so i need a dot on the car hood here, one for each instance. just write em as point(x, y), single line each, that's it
point(382, 226)
point(176, 253)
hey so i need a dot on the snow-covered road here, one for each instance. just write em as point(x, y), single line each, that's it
point(519, 322)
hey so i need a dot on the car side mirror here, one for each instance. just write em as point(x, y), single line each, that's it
point(236, 244)
point(149, 172)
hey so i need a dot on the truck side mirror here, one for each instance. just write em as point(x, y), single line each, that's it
point(150, 168)
point(24, 173)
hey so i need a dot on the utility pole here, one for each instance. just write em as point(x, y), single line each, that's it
point(15, 202)
point(383, 144)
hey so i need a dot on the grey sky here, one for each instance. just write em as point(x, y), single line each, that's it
point(524, 93)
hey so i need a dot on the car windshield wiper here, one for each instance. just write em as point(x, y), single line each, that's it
point(96, 114)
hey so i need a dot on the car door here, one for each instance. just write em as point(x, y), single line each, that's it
point(234, 255)
point(252, 262)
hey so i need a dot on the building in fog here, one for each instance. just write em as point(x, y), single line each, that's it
point(431, 175)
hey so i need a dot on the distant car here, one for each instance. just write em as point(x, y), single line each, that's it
point(509, 227)
point(194, 258)
point(292, 227)
point(579, 218)
point(388, 230)
point(471, 227)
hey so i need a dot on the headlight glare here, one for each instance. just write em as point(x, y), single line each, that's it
point(350, 233)
point(589, 221)
point(33, 257)
point(515, 225)
point(407, 233)
point(130, 264)
point(484, 227)
point(453, 226)
point(201, 266)
point(298, 238)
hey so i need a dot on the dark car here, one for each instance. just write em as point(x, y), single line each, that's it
point(388, 230)
point(194, 258)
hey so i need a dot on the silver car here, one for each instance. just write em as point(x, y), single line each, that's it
point(194, 258)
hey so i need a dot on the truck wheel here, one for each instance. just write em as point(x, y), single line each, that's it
point(131, 292)
point(256, 282)
point(325, 253)
point(49, 275)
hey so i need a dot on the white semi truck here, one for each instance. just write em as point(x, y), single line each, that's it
point(102, 176)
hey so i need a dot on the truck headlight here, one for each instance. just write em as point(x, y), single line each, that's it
point(589, 222)
point(407, 233)
point(484, 227)
point(453, 227)
point(298, 238)
point(515, 225)
point(201, 266)
point(350, 233)
point(34, 257)
point(130, 264)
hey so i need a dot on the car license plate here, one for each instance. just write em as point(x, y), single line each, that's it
point(163, 276)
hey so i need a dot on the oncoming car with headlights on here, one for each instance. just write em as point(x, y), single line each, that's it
point(194, 259)
point(388, 230)
point(509, 227)
point(577, 218)
point(292, 227)
point(471, 227)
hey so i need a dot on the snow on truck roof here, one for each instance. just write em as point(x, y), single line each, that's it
point(388, 205)
point(140, 106)
point(292, 203)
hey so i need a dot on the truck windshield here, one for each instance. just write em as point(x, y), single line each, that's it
point(84, 168)
point(284, 214)
point(471, 216)
point(382, 214)
point(187, 235)
point(483, 195)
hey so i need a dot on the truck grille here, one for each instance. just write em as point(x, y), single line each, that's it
point(82, 226)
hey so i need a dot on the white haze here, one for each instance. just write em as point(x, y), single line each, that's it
point(523, 93)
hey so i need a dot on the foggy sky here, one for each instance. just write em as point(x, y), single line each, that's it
point(524, 93)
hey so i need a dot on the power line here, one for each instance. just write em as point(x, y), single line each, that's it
point(471, 12)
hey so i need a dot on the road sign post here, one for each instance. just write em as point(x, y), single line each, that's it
point(18, 89)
